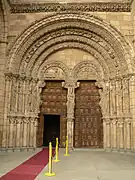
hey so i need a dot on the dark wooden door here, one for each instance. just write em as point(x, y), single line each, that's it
point(88, 128)
point(54, 98)
point(40, 130)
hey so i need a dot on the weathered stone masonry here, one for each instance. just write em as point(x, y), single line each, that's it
point(29, 65)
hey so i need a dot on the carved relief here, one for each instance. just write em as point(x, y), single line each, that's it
point(54, 73)
point(89, 20)
point(83, 7)
point(87, 70)
point(70, 98)
point(26, 90)
point(104, 100)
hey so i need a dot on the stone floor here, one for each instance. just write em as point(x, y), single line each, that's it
point(9, 160)
point(80, 165)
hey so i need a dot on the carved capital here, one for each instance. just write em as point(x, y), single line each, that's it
point(8, 76)
point(114, 121)
point(70, 119)
point(99, 84)
point(70, 84)
point(106, 121)
point(120, 122)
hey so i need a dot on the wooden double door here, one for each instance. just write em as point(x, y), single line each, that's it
point(88, 125)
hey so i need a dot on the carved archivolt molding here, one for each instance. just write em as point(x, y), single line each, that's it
point(84, 7)
point(100, 60)
point(79, 35)
point(80, 20)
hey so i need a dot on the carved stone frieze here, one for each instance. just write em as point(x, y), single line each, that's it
point(83, 7)
point(21, 119)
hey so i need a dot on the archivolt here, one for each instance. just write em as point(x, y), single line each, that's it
point(83, 43)
point(52, 23)
point(98, 58)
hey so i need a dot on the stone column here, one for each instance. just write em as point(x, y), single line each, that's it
point(127, 134)
point(132, 109)
point(121, 134)
point(107, 128)
point(104, 91)
point(70, 109)
point(35, 124)
point(5, 126)
point(104, 134)
point(18, 137)
point(114, 134)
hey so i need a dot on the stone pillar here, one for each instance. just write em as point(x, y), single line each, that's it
point(18, 137)
point(8, 83)
point(127, 136)
point(35, 124)
point(104, 134)
point(107, 133)
point(70, 109)
point(121, 134)
point(119, 97)
point(132, 110)
point(104, 90)
point(114, 134)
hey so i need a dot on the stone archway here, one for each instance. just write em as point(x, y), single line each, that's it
point(112, 68)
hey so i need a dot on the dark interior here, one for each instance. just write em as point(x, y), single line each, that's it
point(51, 129)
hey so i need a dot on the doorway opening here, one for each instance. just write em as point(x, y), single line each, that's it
point(51, 129)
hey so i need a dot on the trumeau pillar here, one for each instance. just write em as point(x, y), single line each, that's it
point(70, 109)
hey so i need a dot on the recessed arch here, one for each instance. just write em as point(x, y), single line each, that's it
point(55, 64)
point(121, 48)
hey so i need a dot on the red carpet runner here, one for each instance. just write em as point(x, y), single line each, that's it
point(30, 168)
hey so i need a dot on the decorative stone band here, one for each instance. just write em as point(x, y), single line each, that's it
point(10, 76)
point(82, 7)
point(22, 119)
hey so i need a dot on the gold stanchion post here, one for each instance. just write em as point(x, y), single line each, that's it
point(66, 154)
point(50, 173)
point(57, 151)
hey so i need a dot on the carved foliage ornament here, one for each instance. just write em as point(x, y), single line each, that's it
point(84, 7)
point(20, 120)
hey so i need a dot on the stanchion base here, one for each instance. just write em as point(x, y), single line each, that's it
point(49, 174)
point(56, 160)
point(66, 154)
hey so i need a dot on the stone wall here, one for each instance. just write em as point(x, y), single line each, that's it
point(27, 70)
point(123, 21)
point(3, 46)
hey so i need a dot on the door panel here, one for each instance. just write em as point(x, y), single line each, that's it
point(40, 130)
point(54, 98)
point(88, 129)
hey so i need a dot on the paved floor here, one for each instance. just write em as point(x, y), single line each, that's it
point(9, 160)
point(90, 165)
point(80, 165)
